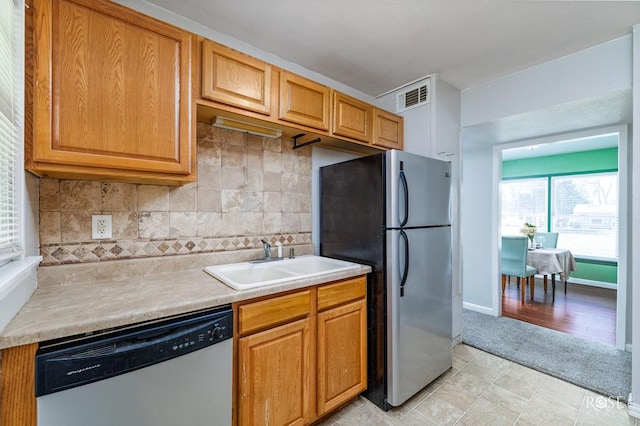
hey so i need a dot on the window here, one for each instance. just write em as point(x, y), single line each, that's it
point(523, 200)
point(584, 210)
point(11, 126)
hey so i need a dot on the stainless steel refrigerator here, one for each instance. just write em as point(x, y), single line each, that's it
point(392, 211)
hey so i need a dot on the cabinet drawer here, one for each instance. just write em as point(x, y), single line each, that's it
point(274, 311)
point(341, 292)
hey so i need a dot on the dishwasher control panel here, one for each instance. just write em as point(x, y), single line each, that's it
point(81, 361)
point(212, 333)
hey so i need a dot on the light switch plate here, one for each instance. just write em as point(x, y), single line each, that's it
point(101, 226)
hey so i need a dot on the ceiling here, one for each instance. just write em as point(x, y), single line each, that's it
point(614, 108)
point(378, 45)
point(590, 143)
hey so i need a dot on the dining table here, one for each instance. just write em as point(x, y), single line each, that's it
point(552, 261)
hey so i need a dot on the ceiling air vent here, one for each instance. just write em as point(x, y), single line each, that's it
point(414, 96)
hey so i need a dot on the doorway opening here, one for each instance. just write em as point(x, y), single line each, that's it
point(574, 186)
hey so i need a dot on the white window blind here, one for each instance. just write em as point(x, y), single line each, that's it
point(11, 124)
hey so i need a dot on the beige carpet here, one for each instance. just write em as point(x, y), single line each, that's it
point(586, 363)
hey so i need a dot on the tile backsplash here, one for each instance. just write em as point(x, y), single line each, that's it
point(248, 188)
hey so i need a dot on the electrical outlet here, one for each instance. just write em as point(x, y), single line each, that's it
point(101, 226)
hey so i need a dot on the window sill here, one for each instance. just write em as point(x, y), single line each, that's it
point(18, 281)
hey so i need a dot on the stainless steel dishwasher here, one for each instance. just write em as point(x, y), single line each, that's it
point(169, 372)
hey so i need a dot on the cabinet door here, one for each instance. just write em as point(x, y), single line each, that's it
point(235, 79)
point(303, 101)
point(387, 129)
point(342, 355)
point(274, 380)
point(111, 89)
point(351, 117)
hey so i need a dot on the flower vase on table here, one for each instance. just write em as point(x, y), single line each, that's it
point(529, 229)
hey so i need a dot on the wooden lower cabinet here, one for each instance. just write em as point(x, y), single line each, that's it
point(298, 370)
point(342, 355)
point(274, 381)
point(17, 386)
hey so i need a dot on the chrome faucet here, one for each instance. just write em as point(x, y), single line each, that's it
point(267, 254)
point(267, 249)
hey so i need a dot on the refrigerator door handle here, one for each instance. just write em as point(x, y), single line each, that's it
point(405, 189)
point(405, 269)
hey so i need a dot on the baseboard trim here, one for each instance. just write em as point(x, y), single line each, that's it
point(480, 309)
point(456, 340)
point(628, 347)
point(634, 408)
point(591, 283)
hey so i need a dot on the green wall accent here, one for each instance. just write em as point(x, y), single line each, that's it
point(600, 160)
point(595, 272)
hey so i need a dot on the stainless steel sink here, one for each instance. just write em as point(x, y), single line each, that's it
point(242, 276)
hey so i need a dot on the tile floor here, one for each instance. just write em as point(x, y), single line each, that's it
point(482, 389)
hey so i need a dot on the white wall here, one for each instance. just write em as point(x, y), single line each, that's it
point(582, 75)
point(446, 122)
point(479, 228)
point(590, 73)
point(418, 121)
point(634, 405)
point(31, 215)
point(446, 145)
point(417, 130)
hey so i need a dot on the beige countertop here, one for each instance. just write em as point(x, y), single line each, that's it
point(78, 299)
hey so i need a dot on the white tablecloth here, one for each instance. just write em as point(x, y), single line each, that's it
point(552, 261)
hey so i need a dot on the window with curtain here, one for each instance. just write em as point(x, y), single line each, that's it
point(523, 200)
point(11, 127)
point(584, 210)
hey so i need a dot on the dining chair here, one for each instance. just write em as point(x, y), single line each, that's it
point(550, 241)
point(513, 261)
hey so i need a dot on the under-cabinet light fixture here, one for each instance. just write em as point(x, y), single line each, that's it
point(254, 129)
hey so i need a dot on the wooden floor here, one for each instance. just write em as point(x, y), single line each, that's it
point(584, 311)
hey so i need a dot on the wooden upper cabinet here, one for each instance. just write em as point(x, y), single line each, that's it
point(351, 117)
point(387, 129)
point(111, 94)
point(303, 101)
point(233, 78)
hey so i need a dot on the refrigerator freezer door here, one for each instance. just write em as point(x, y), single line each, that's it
point(419, 322)
point(418, 190)
point(352, 210)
